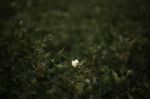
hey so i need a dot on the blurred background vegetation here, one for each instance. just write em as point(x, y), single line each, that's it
point(40, 38)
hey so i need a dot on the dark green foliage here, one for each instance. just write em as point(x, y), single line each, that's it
point(38, 41)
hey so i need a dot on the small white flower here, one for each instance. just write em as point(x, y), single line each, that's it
point(75, 63)
point(87, 80)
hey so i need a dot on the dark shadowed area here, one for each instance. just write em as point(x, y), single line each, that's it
point(74, 49)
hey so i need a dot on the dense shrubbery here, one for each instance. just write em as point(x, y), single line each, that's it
point(36, 55)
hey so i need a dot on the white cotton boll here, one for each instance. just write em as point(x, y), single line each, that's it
point(87, 80)
point(75, 63)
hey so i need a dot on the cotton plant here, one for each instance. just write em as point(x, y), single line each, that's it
point(41, 57)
